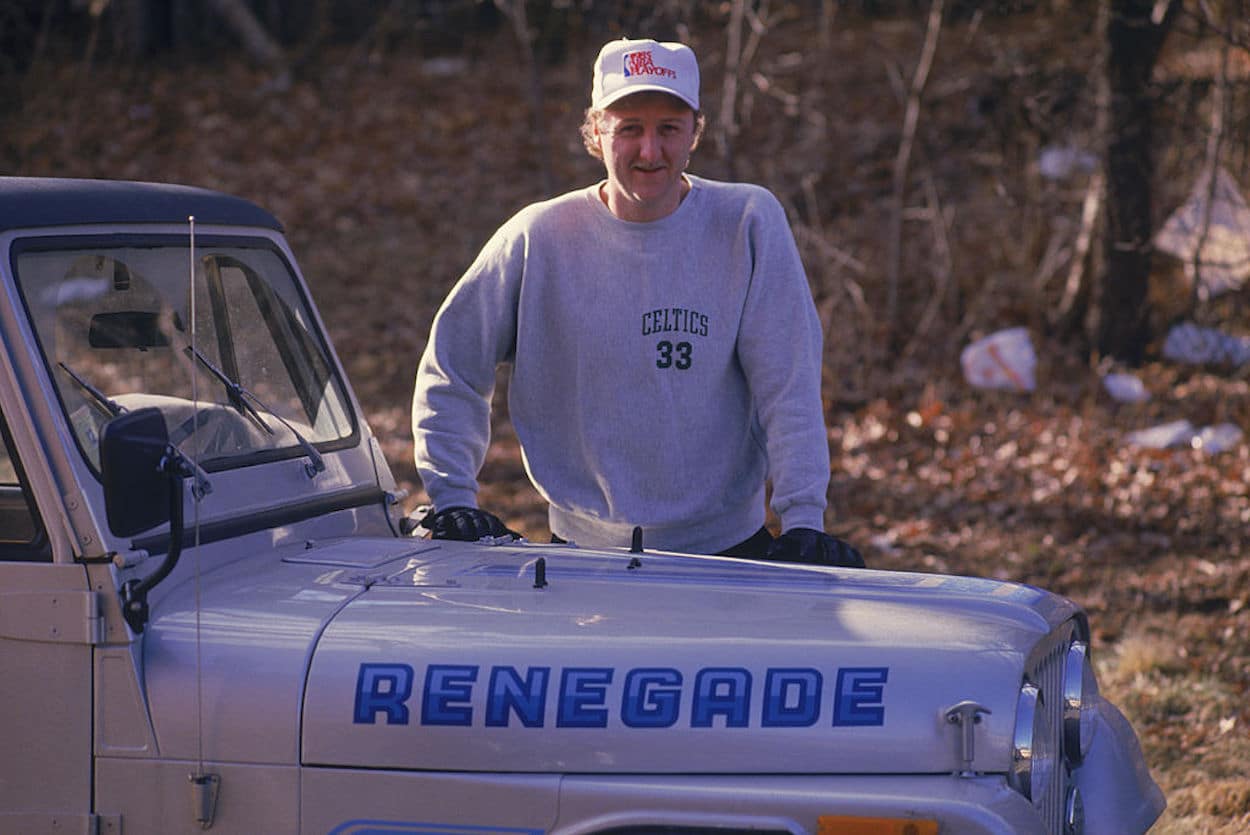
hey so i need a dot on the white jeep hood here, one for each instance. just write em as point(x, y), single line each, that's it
point(453, 659)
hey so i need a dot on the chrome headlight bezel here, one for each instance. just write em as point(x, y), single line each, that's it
point(1073, 812)
point(1079, 689)
point(1033, 759)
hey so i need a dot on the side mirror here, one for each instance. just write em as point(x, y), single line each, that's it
point(133, 461)
point(142, 476)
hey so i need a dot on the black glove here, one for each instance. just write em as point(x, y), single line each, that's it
point(815, 548)
point(465, 524)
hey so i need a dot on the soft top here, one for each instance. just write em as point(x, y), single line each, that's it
point(29, 202)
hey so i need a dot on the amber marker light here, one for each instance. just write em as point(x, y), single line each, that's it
point(844, 825)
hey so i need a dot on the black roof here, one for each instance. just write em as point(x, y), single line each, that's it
point(27, 202)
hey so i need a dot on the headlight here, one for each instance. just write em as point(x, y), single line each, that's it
point(1079, 689)
point(1033, 758)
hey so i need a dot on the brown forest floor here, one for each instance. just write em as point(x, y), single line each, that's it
point(390, 169)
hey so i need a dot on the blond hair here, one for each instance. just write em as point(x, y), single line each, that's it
point(593, 118)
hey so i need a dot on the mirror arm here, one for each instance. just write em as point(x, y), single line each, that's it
point(135, 592)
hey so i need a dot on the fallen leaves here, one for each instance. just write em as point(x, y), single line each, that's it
point(389, 180)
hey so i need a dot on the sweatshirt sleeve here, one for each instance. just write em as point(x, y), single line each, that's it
point(473, 332)
point(780, 348)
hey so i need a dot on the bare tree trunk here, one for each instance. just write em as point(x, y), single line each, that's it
point(132, 26)
point(41, 39)
point(1073, 299)
point(514, 10)
point(728, 127)
point(1211, 166)
point(943, 267)
point(1133, 42)
point(738, 56)
point(828, 13)
point(252, 34)
point(902, 162)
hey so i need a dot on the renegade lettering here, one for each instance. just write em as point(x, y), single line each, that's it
point(461, 695)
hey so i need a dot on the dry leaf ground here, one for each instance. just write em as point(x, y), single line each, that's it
point(390, 169)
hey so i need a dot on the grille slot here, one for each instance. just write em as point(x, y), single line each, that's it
point(1046, 673)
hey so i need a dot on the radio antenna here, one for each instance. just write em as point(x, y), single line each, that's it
point(195, 454)
point(203, 786)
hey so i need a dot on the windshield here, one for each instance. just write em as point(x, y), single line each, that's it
point(235, 366)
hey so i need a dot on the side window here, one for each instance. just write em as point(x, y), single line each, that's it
point(21, 530)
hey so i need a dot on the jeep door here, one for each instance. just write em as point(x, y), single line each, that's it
point(47, 627)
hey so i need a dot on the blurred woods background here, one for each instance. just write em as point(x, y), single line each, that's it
point(1026, 171)
point(1076, 139)
point(951, 169)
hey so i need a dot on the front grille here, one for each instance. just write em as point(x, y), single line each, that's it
point(1046, 673)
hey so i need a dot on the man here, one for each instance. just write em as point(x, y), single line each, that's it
point(665, 350)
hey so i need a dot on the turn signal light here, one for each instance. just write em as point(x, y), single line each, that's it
point(843, 825)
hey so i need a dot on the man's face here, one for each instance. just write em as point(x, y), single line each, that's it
point(646, 140)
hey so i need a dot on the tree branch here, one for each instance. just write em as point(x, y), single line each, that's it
point(902, 161)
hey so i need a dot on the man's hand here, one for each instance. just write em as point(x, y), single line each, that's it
point(815, 548)
point(465, 524)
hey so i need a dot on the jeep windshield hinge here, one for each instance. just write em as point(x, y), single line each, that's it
point(63, 821)
point(63, 617)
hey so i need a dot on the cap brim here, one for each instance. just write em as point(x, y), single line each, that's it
point(624, 92)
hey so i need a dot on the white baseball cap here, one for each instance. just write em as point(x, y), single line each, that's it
point(627, 66)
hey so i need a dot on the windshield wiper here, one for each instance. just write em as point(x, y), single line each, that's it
point(112, 408)
point(101, 400)
point(238, 394)
point(240, 398)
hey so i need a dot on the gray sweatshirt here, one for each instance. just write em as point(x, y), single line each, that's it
point(661, 372)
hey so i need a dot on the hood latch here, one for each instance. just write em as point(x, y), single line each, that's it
point(967, 715)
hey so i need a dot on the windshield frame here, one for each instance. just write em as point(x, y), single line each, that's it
point(317, 339)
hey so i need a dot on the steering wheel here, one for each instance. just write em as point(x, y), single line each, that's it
point(218, 430)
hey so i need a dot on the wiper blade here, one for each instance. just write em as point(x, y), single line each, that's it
point(240, 397)
point(202, 486)
point(238, 394)
point(99, 398)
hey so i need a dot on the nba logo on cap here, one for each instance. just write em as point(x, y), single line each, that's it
point(642, 63)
